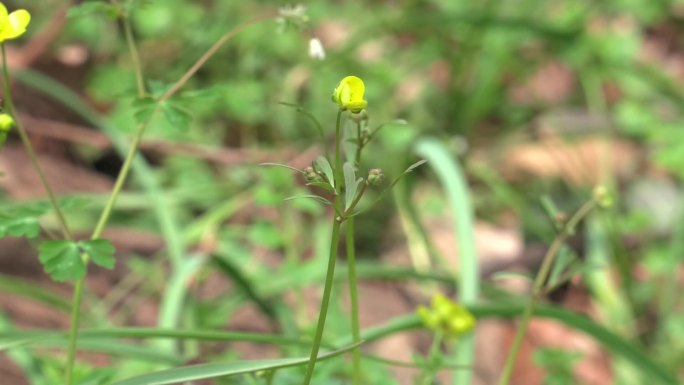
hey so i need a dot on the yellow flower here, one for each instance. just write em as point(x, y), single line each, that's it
point(446, 317)
point(14, 24)
point(349, 94)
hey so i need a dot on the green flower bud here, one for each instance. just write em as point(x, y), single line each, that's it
point(311, 175)
point(376, 176)
point(6, 122)
point(602, 197)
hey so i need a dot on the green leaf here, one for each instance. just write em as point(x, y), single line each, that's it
point(324, 166)
point(101, 252)
point(323, 185)
point(351, 185)
point(62, 260)
point(186, 374)
point(22, 221)
point(93, 7)
point(282, 165)
point(314, 197)
point(143, 109)
point(177, 116)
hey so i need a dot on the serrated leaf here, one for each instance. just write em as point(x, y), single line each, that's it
point(22, 221)
point(101, 252)
point(177, 116)
point(19, 227)
point(324, 166)
point(143, 109)
point(62, 260)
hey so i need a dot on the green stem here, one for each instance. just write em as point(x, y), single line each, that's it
point(109, 206)
point(431, 368)
point(332, 258)
point(354, 297)
point(73, 331)
point(538, 288)
point(338, 157)
point(9, 105)
point(135, 57)
point(325, 301)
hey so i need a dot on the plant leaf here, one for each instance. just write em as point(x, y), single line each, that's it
point(177, 116)
point(101, 252)
point(314, 197)
point(186, 374)
point(323, 185)
point(62, 260)
point(324, 166)
point(350, 185)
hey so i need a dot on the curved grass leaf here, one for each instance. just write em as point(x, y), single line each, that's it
point(455, 186)
point(609, 340)
point(206, 371)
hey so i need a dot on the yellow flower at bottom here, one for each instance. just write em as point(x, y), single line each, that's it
point(14, 24)
point(447, 317)
point(349, 94)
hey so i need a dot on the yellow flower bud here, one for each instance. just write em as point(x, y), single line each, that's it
point(14, 24)
point(349, 94)
point(446, 317)
point(6, 122)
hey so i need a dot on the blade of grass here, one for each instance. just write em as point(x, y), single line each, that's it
point(22, 288)
point(207, 371)
point(456, 188)
point(612, 342)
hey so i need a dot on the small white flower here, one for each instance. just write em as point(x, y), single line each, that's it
point(316, 50)
point(294, 14)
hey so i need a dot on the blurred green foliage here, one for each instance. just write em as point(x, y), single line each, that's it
point(463, 71)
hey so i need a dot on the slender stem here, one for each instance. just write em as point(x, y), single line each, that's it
point(338, 157)
point(9, 105)
point(538, 288)
point(431, 369)
point(120, 181)
point(207, 55)
point(135, 57)
point(73, 331)
point(332, 258)
point(354, 297)
point(325, 301)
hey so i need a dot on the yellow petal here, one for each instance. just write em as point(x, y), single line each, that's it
point(3, 13)
point(17, 22)
point(349, 94)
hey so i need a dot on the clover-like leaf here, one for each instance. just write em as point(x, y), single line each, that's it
point(101, 252)
point(22, 221)
point(177, 116)
point(62, 260)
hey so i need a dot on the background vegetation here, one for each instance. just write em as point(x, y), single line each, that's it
point(534, 102)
